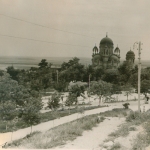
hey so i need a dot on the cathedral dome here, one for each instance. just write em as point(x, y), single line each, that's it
point(117, 50)
point(130, 55)
point(106, 40)
point(95, 48)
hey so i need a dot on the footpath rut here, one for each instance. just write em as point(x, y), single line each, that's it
point(92, 139)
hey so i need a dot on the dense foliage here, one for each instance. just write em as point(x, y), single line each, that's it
point(54, 100)
point(20, 90)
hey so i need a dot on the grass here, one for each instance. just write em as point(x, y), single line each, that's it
point(134, 119)
point(137, 118)
point(117, 112)
point(45, 117)
point(140, 142)
point(115, 146)
point(66, 132)
point(143, 139)
point(122, 131)
point(58, 135)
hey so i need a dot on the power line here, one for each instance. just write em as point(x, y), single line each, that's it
point(40, 25)
point(23, 38)
point(46, 26)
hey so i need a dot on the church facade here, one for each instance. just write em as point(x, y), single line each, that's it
point(106, 57)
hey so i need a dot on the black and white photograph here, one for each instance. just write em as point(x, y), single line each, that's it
point(75, 74)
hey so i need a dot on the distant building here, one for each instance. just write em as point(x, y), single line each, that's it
point(130, 57)
point(106, 56)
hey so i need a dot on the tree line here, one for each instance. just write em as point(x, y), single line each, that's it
point(20, 90)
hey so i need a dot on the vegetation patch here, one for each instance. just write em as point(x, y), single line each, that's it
point(44, 118)
point(134, 119)
point(137, 118)
point(143, 139)
point(116, 146)
point(58, 135)
point(117, 112)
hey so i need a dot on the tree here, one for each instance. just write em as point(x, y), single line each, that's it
point(145, 75)
point(13, 72)
point(145, 86)
point(8, 112)
point(72, 70)
point(89, 71)
point(71, 99)
point(53, 102)
point(74, 93)
point(31, 112)
point(98, 73)
point(61, 86)
point(7, 87)
point(111, 76)
point(43, 64)
point(125, 71)
point(128, 90)
point(101, 89)
point(1, 73)
point(116, 89)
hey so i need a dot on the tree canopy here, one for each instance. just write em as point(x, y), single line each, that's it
point(101, 88)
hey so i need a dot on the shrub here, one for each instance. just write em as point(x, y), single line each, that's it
point(126, 105)
point(53, 102)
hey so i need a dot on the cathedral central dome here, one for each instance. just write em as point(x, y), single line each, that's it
point(106, 40)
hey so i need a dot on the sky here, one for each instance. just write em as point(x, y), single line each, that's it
point(69, 28)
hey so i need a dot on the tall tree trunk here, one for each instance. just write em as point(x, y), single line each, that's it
point(6, 126)
point(31, 129)
point(100, 100)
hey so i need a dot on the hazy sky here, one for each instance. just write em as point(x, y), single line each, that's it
point(126, 22)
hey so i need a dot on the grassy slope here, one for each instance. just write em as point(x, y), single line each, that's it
point(44, 118)
point(63, 133)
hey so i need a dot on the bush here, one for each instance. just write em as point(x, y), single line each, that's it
point(53, 102)
point(126, 105)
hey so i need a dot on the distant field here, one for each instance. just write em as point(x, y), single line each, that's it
point(28, 62)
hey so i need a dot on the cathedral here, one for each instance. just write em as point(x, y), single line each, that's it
point(107, 57)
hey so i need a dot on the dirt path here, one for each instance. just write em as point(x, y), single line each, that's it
point(6, 137)
point(92, 139)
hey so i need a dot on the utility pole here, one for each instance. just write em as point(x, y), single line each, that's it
point(89, 80)
point(139, 73)
point(139, 76)
point(89, 87)
point(57, 76)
